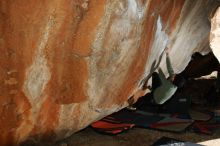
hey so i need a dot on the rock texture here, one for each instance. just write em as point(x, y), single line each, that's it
point(215, 33)
point(67, 63)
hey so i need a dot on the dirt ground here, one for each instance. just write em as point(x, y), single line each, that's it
point(145, 137)
point(133, 137)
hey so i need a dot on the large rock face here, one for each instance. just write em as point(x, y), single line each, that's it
point(67, 63)
point(215, 34)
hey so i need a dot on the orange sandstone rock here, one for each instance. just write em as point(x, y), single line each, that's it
point(67, 63)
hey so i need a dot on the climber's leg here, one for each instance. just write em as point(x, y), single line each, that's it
point(170, 68)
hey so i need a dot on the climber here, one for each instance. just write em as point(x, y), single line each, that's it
point(163, 88)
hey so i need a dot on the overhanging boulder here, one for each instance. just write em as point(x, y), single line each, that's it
point(67, 63)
